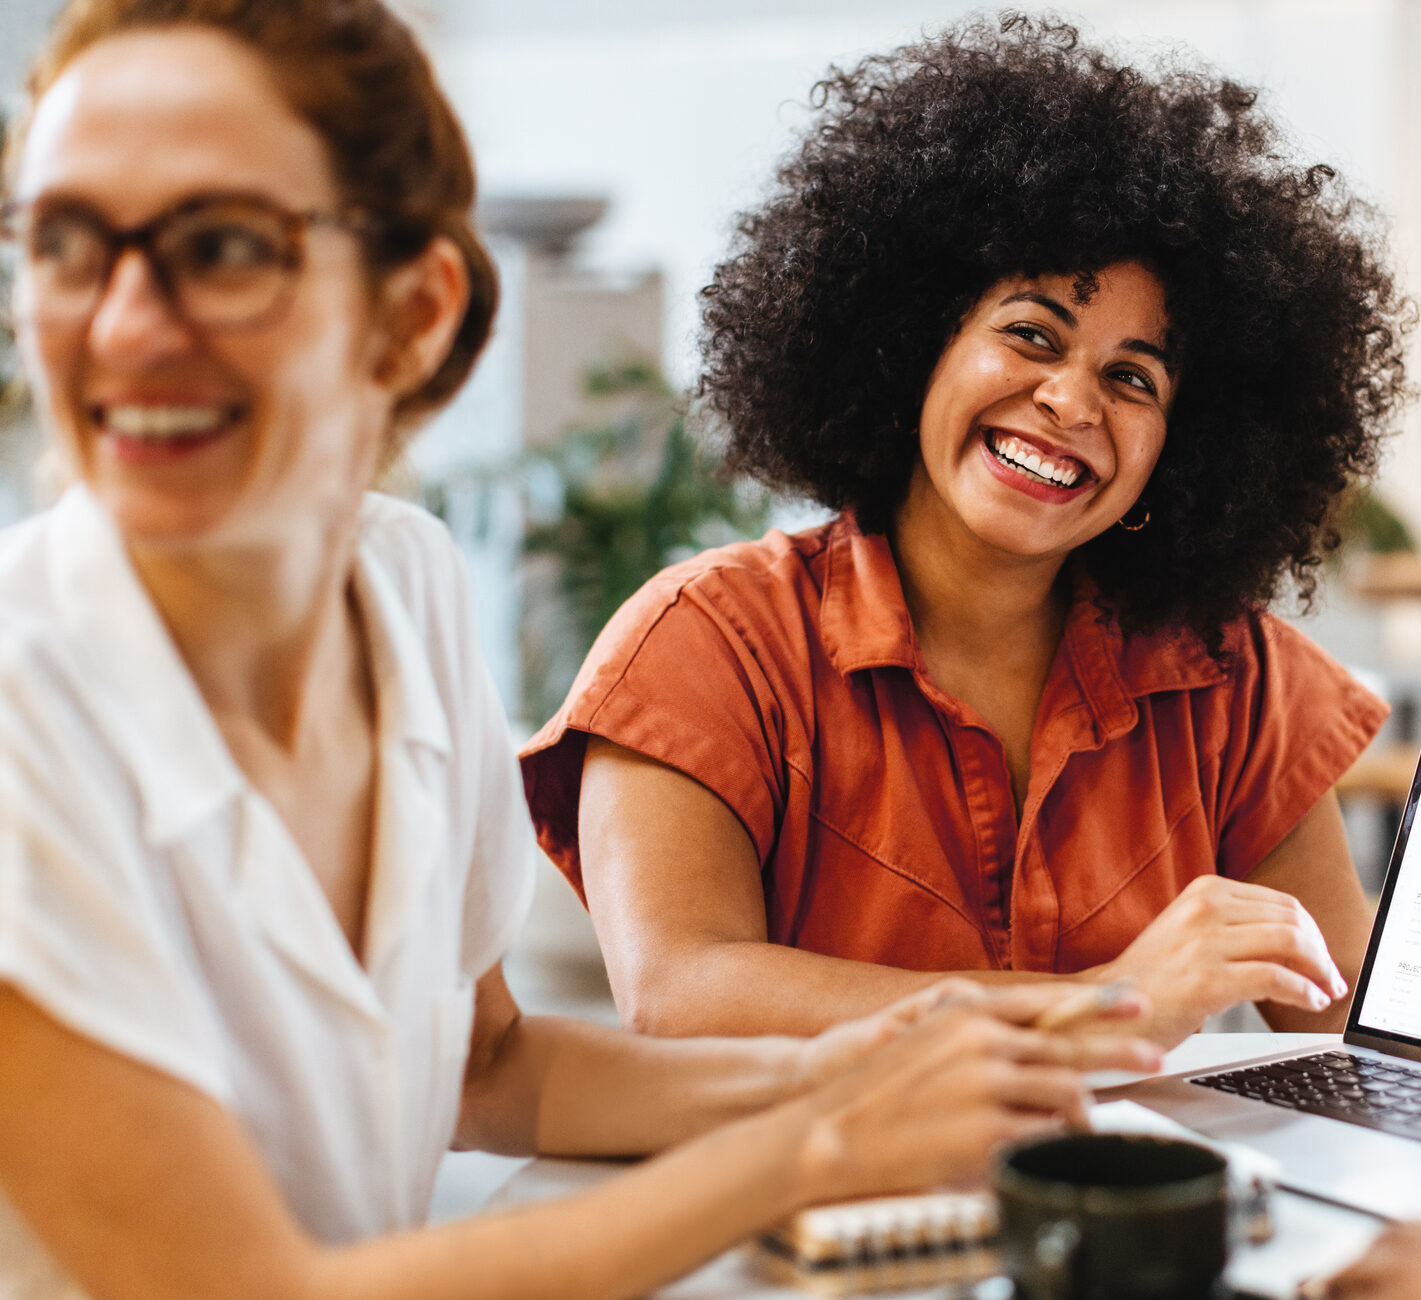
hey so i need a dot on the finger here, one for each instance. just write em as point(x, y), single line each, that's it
point(1083, 1051)
point(1259, 903)
point(1047, 1090)
point(1364, 1278)
point(951, 992)
point(1237, 902)
point(945, 993)
point(990, 1128)
point(1132, 1004)
point(1020, 1004)
point(1298, 947)
point(1385, 1270)
point(1270, 981)
point(1090, 1051)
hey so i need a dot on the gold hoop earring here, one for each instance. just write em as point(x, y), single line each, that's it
point(1134, 528)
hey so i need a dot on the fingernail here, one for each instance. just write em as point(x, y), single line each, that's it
point(1318, 998)
point(1339, 985)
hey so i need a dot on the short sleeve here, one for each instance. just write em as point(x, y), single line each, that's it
point(87, 931)
point(682, 676)
point(1296, 721)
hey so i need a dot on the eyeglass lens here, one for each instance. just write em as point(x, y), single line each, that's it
point(219, 263)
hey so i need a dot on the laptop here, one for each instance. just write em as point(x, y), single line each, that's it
point(1343, 1122)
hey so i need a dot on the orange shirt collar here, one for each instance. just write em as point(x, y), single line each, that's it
point(864, 624)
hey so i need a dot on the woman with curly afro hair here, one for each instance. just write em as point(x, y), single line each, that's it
point(1082, 361)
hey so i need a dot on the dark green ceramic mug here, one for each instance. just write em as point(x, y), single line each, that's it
point(1113, 1216)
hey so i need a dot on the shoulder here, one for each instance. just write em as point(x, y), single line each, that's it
point(1269, 677)
point(414, 564)
point(40, 660)
point(1259, 642)
point(748, 590)
point(1253, 644)
point(26, 555)
point(405, 538)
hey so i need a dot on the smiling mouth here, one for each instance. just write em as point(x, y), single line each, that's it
point(1026, 460)
point(164, 423)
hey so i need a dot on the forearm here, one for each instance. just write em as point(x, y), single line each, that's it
point(624, 1238)
point(754, 987)
point(566, 1087)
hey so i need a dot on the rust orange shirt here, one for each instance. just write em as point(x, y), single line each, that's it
point(784, 676)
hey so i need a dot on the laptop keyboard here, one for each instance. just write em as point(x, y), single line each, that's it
point(1380, 1094)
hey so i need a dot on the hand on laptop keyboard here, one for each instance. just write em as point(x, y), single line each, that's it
point(1222, 942)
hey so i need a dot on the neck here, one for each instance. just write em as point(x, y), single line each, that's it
point(269, 631)
point(972, 599)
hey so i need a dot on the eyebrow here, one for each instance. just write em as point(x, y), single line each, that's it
point(1067, 317)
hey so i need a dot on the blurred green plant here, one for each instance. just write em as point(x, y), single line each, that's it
point(1366, 523)
point(605, 509)
point(609, 507)
point(617, 526)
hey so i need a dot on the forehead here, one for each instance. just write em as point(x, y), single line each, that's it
point(142, 120)
point(1127, 296)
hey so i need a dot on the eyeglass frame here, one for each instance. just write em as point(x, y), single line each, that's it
point(141, 237)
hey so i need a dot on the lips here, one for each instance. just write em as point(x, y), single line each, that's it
point(163, 422)
point(1036, 462)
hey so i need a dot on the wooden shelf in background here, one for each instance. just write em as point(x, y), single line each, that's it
point(1395, 575)
point(1383, 772)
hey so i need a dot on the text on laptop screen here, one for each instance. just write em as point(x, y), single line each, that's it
point(1390, 987)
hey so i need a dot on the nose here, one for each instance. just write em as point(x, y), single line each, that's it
point(1071, 395)
point(134, 317)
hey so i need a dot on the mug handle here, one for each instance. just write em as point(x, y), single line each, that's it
point(1055, 1249)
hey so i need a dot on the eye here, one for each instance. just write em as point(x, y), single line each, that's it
point(216, 245)
point(67, 247)
point(218, 249)
point(1136, 379)
point(1029, 332)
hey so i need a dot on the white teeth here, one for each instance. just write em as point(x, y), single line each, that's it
point(163, 421)
point(1027, 460)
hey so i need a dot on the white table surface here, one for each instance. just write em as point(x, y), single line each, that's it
point(1311, 1236)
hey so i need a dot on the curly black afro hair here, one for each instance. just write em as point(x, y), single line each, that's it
point(1011, 149)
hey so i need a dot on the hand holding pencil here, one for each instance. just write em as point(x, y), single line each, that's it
point(960, 1068)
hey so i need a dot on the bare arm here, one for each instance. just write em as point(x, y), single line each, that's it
point(145, 1189)
point(571, 1088)
point(673, 886)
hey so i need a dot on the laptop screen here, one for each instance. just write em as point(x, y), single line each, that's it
point(1386, 1006)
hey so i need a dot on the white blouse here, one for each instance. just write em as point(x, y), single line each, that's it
point(152, 900)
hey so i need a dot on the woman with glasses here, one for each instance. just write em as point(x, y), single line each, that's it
point(1081, 363)
point(261, 836)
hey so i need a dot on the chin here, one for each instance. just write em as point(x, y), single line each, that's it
point(157, 520)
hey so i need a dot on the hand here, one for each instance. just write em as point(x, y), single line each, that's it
point(1222, 942)
point(827, 1055)
point(947, 1083)
point(1387, 1271)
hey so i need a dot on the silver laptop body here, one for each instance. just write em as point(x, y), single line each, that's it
point(1325, 1157)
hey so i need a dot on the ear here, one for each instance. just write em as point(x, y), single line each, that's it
point(421, 307)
